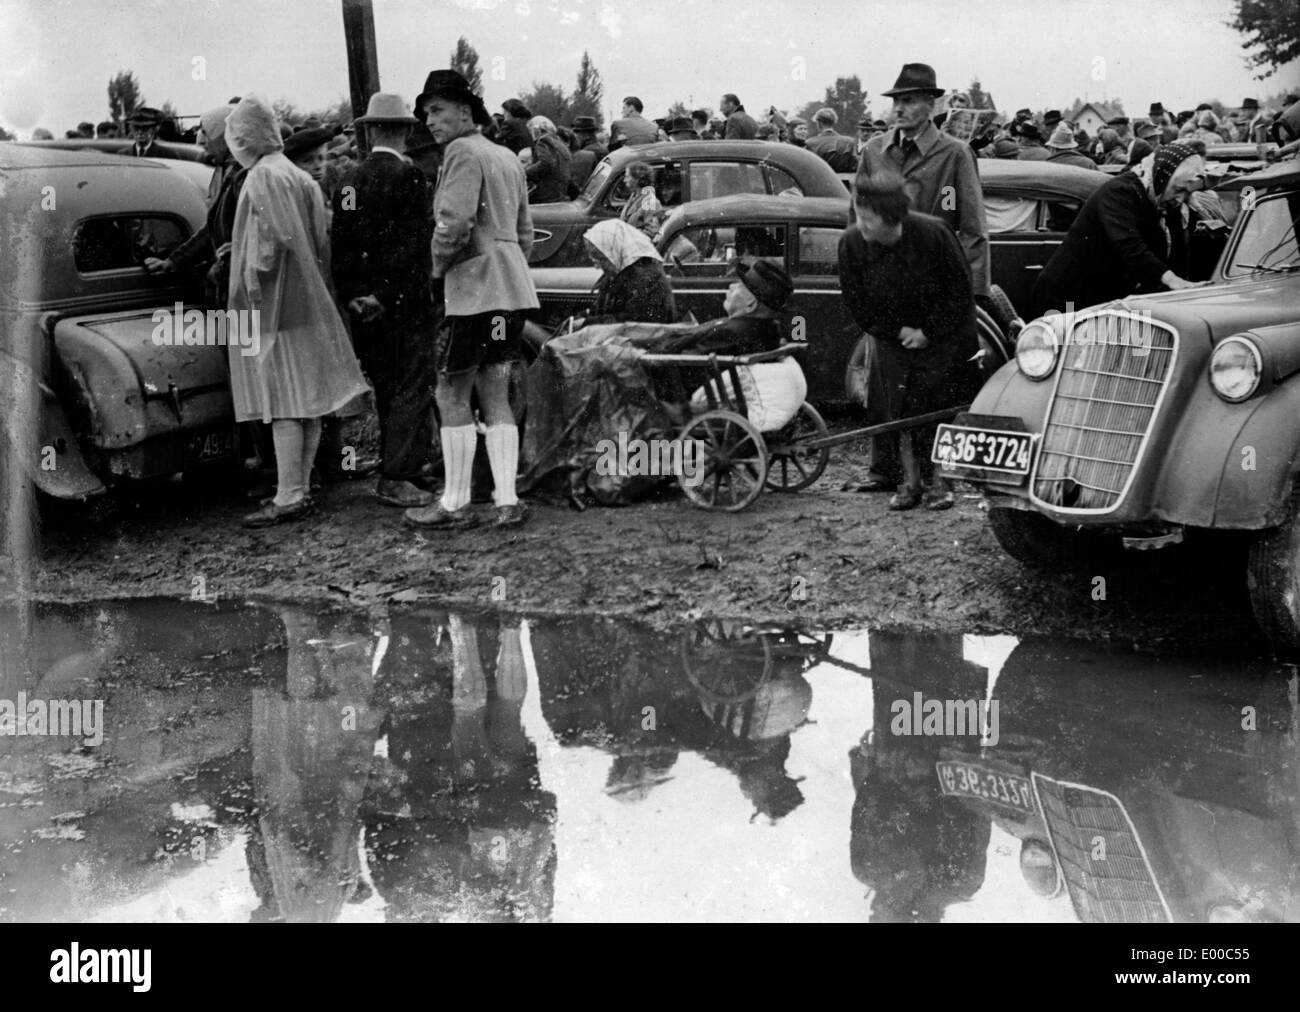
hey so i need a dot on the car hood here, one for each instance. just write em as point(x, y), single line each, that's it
point(1226, 308)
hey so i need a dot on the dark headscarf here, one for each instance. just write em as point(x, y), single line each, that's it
point(1168, 158)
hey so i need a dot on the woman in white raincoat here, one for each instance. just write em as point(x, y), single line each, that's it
point(302, 367)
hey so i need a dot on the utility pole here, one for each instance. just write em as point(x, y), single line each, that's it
point(363, 59)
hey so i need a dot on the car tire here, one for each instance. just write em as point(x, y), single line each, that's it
point(1273, 581)
point(1004, 313)
point(1039, 543)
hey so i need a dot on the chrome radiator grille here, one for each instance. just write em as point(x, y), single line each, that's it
point(1110, 381)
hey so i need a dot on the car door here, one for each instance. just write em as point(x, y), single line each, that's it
point(701, 260)
point(818, 311)
point(1021, 241)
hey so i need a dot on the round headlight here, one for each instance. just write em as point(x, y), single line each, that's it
point(1036, 350)
point(1235, 369)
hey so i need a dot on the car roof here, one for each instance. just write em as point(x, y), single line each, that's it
point(779, 154)
point(1279, 174)
point(111, 145)
point(745, 207)
point(42, 155)
point(1038, 180)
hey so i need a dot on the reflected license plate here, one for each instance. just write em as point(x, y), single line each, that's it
point(967, 780)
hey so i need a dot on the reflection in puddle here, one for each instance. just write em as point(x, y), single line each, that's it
point(287, 764)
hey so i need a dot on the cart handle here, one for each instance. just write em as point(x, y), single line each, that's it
point(762, 356)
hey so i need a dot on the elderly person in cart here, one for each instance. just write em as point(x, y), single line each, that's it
point(905, 280)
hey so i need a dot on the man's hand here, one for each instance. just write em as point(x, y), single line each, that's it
point(913, 338)
point(367, 307)
point(155, 266)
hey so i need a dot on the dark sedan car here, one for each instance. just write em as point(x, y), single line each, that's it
point(683, 171)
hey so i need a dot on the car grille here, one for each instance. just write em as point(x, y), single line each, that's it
point(1111, 379)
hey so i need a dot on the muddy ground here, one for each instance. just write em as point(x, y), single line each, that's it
point(662, 562)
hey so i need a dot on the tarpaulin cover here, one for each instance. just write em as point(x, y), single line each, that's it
point(589, 386)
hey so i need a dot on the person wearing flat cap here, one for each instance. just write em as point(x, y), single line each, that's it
point(143, 124)
point(1118, 244)
point(483, 232)
point(942, 179)
point(906, 282)
point(381, 232)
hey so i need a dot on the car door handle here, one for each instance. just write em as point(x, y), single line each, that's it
point(1033, 267)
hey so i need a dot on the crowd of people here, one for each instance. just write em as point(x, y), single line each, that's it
point(403, 275)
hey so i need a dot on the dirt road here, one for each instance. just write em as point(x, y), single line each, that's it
point(823, 557)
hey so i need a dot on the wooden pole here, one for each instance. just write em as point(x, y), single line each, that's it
point(363, 59)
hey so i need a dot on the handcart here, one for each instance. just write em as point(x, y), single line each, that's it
point(739, 461)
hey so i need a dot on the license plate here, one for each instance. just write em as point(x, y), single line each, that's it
point(218, 445)
point(996, 455)
point(968, 780)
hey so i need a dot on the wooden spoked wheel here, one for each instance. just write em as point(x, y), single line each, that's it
point(730, 459)
point(790, 466)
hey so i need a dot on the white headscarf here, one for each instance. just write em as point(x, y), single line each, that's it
point(621, 243)
point(213, 122)
point(252, 130)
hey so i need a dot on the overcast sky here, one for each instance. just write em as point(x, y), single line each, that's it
point(56, 56)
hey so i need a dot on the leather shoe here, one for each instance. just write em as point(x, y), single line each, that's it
point(436, 518)
point(271, 514)
point(939, 501)
point(401, 494)
point(904, 500)
point(511, 516)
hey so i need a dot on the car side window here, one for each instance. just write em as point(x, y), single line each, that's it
point(782, 183)
point(123, 242)
point(1058, 217)
point(722, 179)
point(819, 251)
point(1010, 214)
point(667, 178)
point(710, 251)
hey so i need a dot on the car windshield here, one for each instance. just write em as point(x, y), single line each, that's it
point(596, 181)
point(1268, 237)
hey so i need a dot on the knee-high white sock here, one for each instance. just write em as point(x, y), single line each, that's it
point(503, 455)
point(291, 483)
point(311, 429)
point(458, 445)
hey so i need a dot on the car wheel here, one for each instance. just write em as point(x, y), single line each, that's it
point(1004, 313)
point(1273, 579)
point(1035, 541)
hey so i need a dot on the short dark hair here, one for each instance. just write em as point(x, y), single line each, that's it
point(883, 192)
point(729, 97)
point(700, 116)
point(634, 102)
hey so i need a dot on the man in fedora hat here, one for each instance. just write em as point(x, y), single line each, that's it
point(942, 179)
point(483, 232)
point(1064, 149)
point(143, 124)
point(1030, 140)
point(381, 265)
point(681, 128)
point(588, 153)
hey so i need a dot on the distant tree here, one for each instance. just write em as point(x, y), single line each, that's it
point(123, 95)
point(465, 60)
point(547, 100)
point(1272, 27)
point(678, 108)
point(286, 112)
point(846, 97)
point(979, 98)
point(171, 127)
point(5, 135)
point(588, 93)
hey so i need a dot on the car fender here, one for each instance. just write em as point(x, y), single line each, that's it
point(52, 460)
point(1259, 467)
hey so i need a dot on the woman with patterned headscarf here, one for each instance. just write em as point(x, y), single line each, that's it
point(633, 285)
point(300, 366)
point(1119, 244)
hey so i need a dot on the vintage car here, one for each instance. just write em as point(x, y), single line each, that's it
point(92, 397)
point(683, 171)
point(1027, 204)
point(168, 150)
point(1145, 417)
